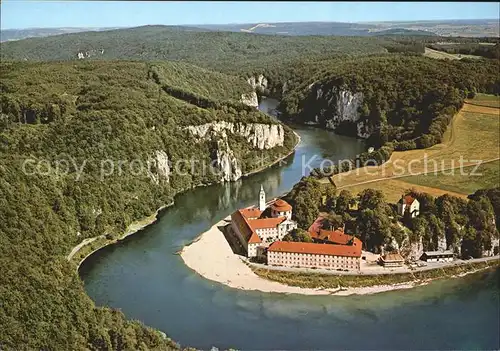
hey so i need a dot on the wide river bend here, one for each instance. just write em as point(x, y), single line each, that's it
point(144, 278)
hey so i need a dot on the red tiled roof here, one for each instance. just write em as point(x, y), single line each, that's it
point(250, 213)
point(408, 200)
point(254, 239)
point(316, 226)
point(316, 249)
point(281, 206)
point(246, 231)
point(263, 223)
point(336, 236)
point(247, 220)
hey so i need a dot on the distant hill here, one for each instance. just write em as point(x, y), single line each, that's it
point(222, 50)
point(18, 34)
point(486, 27)
point(469, 28)
point(403, 31)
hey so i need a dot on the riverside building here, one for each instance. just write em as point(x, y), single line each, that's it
point(259, 227)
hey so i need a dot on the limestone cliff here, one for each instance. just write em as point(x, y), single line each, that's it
point(250, 99)
point(158, 167)
point(259, 83)
point(338, 107)
point(225, 162)
point(258, 135)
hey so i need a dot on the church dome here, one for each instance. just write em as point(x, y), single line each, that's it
point(281, 206)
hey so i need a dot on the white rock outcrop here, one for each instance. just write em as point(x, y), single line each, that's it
point(284, 88)
point(90, 53)
point(441, 245)
point(226, 162)
point(159, 167)
point(258, 83)
point(259, 135)
point(250, 99)
point(343, 107)
point(415, 249)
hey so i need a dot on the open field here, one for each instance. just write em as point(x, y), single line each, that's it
point(444, 55)
point(488, 176)
point(486, 100)
point(474, 134)
point(394, 188)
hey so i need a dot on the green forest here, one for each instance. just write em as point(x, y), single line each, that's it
point(129, 94)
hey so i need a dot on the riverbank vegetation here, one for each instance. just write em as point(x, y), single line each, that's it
point(69, 118)
point(330, 281)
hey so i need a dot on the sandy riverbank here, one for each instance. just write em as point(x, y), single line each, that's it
point(211, 256)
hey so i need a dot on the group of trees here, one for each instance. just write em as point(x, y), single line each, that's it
point(466, 226)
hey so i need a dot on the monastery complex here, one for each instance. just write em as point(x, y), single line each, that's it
point(261, 231)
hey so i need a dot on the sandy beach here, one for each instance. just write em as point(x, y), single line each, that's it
point(211, 256)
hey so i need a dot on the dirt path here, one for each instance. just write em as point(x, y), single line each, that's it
point(80, 245)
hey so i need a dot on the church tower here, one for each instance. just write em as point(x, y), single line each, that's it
point(262, 199)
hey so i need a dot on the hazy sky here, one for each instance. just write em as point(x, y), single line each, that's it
point(29, 14)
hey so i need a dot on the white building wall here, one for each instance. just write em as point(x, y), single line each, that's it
point(289, 259)
point(252, 250)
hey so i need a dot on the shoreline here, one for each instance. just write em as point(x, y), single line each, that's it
point(133, 228)
point(138, 225)
point(210, 256)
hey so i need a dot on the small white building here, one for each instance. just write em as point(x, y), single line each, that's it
point(410, 204)
point(393, 259)
point(438, 256)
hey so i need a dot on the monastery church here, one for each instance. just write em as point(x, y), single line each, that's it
point(257, 228)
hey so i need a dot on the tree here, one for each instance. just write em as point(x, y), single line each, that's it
point(344, 200)
point(332, 221)
point(471, 243)
point(371, 199)
point(373, 226)
point(298, 235)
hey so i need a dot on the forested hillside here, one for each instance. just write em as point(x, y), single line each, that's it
point(90, 119)
point(225, 51)
point(399, 101)
point(69, 118)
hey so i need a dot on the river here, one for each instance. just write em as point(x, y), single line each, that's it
point(144, 278)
